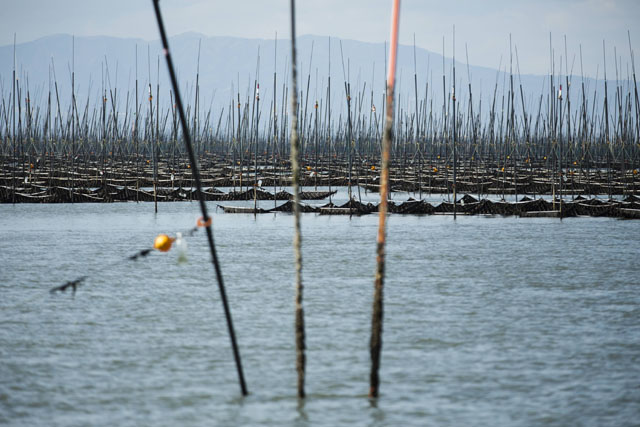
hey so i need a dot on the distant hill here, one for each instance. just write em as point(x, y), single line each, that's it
point(229, 63)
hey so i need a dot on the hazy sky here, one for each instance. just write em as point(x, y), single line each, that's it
point(483, 25)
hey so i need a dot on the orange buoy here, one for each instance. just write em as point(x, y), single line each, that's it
point(201, 223)
point(163, 243)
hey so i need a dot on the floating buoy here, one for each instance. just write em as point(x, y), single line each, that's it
point(435, 169)
point(202, 223)
point(502, 169)
point(181, 246)
point(635, 171)
point(308, 168)
point(163, 243)
point(373, 168)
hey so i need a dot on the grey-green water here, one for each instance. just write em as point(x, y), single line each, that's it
point(488, 320)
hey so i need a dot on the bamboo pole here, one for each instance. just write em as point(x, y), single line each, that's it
point(297, 239)
point(376, 321)
point(203, 207)
point(455, 154)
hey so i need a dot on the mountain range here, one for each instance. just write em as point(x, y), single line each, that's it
point(228, 65)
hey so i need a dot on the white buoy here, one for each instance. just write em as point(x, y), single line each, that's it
point(181, 248)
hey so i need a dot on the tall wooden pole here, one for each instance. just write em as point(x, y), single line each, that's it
point(455, 154)
point(297, 239)
point(206, 219)
point(376, 320)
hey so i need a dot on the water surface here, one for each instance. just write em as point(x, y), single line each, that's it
point(488, 320)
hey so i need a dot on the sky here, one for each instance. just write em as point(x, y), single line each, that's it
point(481, 27)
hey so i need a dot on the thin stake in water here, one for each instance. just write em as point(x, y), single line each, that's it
point(203, 207)
point(297, 239)
point(376, 321)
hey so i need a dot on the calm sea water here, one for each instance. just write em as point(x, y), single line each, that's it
point(488, 320)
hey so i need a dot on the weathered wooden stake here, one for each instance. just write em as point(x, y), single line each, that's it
point(297, 239)
point(376, 320)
